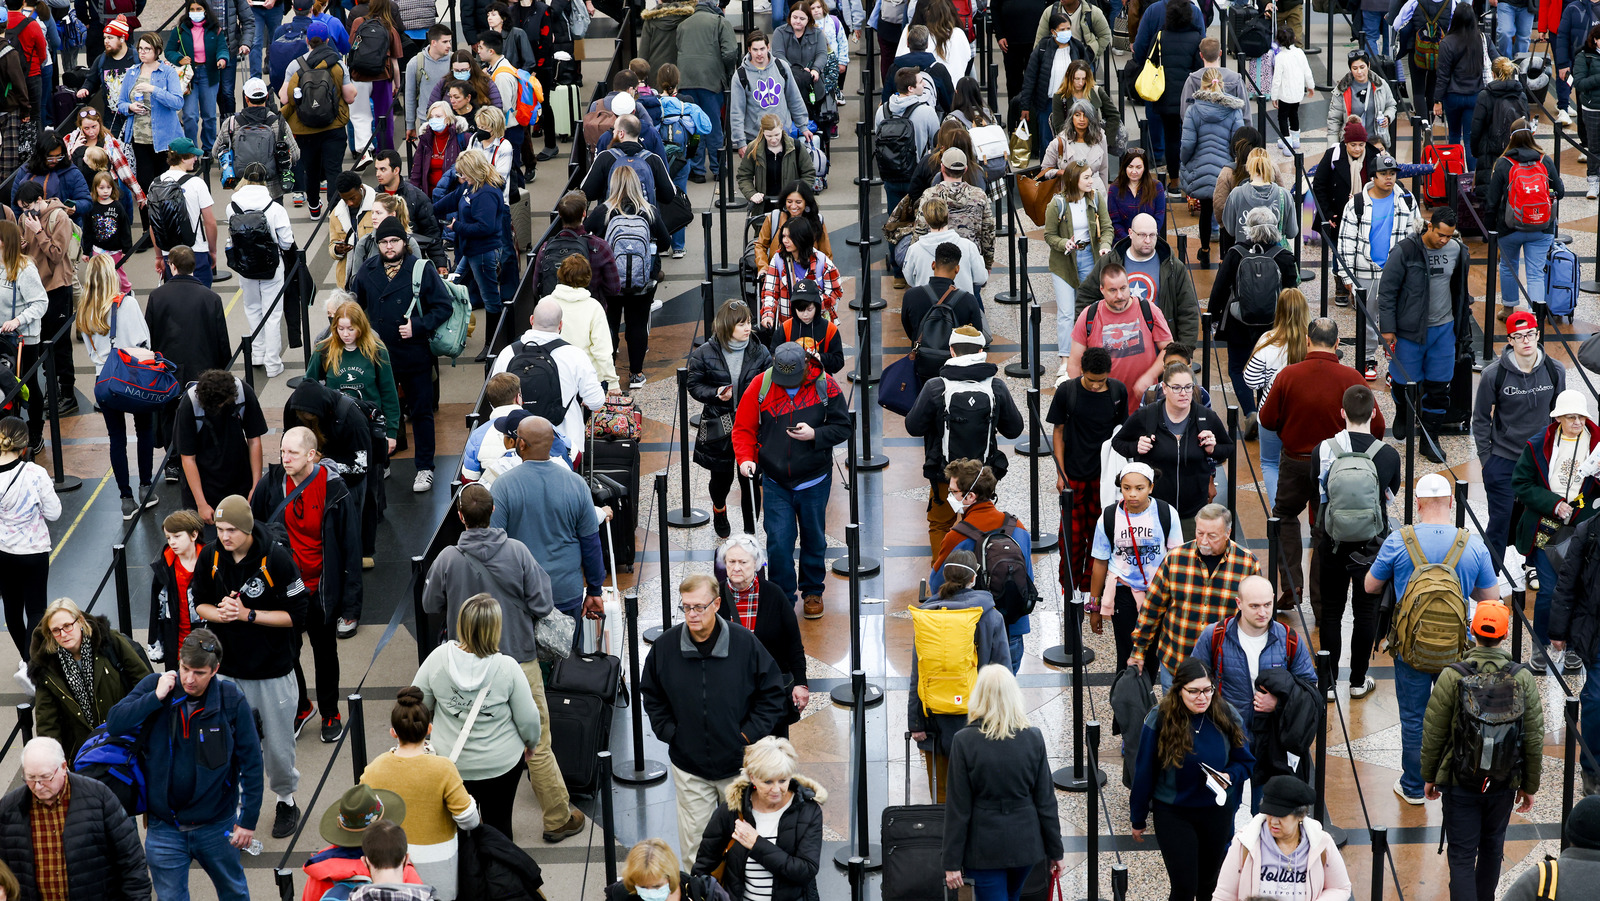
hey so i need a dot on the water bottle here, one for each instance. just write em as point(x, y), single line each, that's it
point(253, 849)
point(225, 159)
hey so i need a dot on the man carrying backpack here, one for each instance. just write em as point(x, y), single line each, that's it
point(903, 130)
point(1084, 414)
point(1156, 275)
point(315, 98)
point(181, 212)
point(256, 134)
point(1437, 571)
point(999, 542)
point(762, 85)
point(258, 236)
point(558, 380)
point(1578, 866)
point(25, 33)
point(931, 313)
point(218, 428)
point(1378, 210)
point(627, 150)
point(1575, 630)
point(958, 415)
point(605, 283)
point(1483, 751)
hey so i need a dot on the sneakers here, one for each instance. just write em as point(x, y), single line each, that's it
point(1562, 118)
point(67, 405)
point(1505, 311)
point(1371, 374)
point(423, 482)
point(1540, 662)
point(1570, 663)
point(174, 474)
point(677, 253)
point(155, 652)
point(130, 508)
point(146, 491)
point(1589, 786)
point(287, 819)
point(573, 826)
point(363, 163)
point(1365, 688)
point(299, 198)
point(347, 627)
point(331, 727)
point(316, 210)
point(1594, 188)
point(301, 717)
point(812, 606)
point(637, 381)
point(21, 676)
point(1413, 800)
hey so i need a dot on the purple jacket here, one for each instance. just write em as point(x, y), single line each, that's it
point(1124, 206)
point(419, 160)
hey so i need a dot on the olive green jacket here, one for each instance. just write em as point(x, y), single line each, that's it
point(1439, 723)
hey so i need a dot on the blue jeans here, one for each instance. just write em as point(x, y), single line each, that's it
point(1433, 360)
point(117, 434)
point(711, 144)
point(1372, 25)
point(200, 108)
point(1411, 691)
point(1017, 650)
point(1497, 473)
point(169, 851)
point(1534, 248)
point(484, 270)
point(1458, 114)
point(797, 516)
point(1067, 302)
point(1513, 21)
point(1589, 712)
point(1271, 448)
point(681, 182)
point(994, 885)
point(1541, 603)
point(267, 22)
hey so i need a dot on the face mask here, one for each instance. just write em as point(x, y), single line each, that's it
point(955, 502)
point(197, 18)
point(654, 894)
point(461, 76)
point(481, 135)
point(436, 123)
point(1063, 37)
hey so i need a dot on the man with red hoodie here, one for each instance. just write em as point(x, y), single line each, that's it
point(27, 35)
point(789, 421)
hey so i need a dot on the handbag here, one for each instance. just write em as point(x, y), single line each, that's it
point(678, 214)
point(618, 420)
point(1035, 192)
point(130, 384)
point(721, 869)
point(1152, 80)
point(714, 430)
point(1554, 537)
point(899, 387)
point(1021, 149)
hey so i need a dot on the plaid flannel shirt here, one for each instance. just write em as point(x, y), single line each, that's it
point(1355, 235)
point(779, 278)
point(118, 154)
point(46, 823)
point(1185, 596)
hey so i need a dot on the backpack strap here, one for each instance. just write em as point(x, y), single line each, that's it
point(1456, 549)
point(1408, 534)
point(1549, 878)
point(766, 385)
point(416, 286)
point(1149, 318)
point(1219, 634)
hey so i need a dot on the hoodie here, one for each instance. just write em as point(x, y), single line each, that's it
point(918, 266)
point(343, 435)
point(924, 118)
point(335, 864)
point(1502, 425)
point(926, 419)
point(505, 569)
point(1326, 876)
point(507, 723)
point(583, 325)
point(758, 90)
point(992, 647)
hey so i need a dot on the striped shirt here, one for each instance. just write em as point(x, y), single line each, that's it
point(757, 878)
point(1185, 596)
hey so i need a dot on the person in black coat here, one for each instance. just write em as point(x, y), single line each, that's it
point(1575, 623)
point(1017, 21)
point(1179, 36)
point(1186, 462)
point(1261, 237)
point(343, 436)
point(793, 854)
point(711, 384)
point(767, 612)
point(1036, 87)
point(99, 843)
point(188, 327)
point(1330, 184)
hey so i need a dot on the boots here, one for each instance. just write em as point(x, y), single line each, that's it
point(1294, 140)
point(719, 518)
point(491, 325)
point(1402, 402)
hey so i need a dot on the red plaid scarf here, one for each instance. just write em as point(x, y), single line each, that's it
point(46, 822)
point(745, 602)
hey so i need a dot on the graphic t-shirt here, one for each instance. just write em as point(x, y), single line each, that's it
point(1144, 277)
point(1441, 267)
point(1133, 554)
point(1126, 337)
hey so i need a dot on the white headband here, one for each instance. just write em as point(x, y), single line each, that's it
point(962, 566)
point(1142, 469)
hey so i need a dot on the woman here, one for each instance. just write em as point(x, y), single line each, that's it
point(1285, 841)
point(764, 609)
point(199, 44)
point(1245, 141)
point(1362, 93)
point(771, 161)
point(1130, 554)
point(23, 298)
point(968, 107)
point(51, 168)
point(1292, 85)
point(1083, 138)
point(437, 801)
point(1208, 127)
point(171, 574)
point(1189, 728)
point(650, 873)
point(27, 500)
point(1180, 439)
point(374, 103)
point(1080, 85)
point(1459, 77)
point(80, 668)
point(1492, 114)
point(633, 303)
point(837, 37)
point(518, 49)
point(1137, 190)
point(490, 137)
point(1046, 75)
point(1261, 191)
point(437, 146)
point(1077, 229)
point(1179, 44)
point(1586, 85)
point(1000, 811)
point(464, 69)
point(798, 260)
point(482, 224)
point(801, 45)
point(452, 679)
point(1282, 345)
point(151, 100)
point(91, 133)
point(463, 103)
point(948, 38)
point(798, 201)
point(1531, 243)
point(773, 843)
point(1234, 324)
point(108, 321)
point(719, 372)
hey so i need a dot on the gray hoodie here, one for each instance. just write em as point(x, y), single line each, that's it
point(924, 120)
point(992, 646)
point(919, 260)
point(761, 90)
point(513, 577)
point(1502, 425)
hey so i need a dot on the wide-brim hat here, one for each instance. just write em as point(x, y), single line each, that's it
point(361, 805)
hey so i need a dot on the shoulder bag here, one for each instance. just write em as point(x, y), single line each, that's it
point(1036, 192)
point(1152, 80)
point(472, 717)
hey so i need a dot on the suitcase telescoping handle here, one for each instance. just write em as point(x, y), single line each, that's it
point(933, 775)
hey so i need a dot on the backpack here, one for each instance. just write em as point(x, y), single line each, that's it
point(369, 48)
point(1002, 568)
point(114, 761)
point(677, 133)
point(1355, 511)
point(895, 145)
point(1251, 31)
point(1257, 283)
point(449, 339)
point(1497, 132)
point(14, 35)
point(1425, 53)
point(640, 164)
point(969, 412)
point(629, 237)
point(1429, 629)
point(1528, 196)
point(1549, 878)
point(252, 248)
point(525, 107)
point(1486, 751)
point(535, 366)
point(945, 643)
point(288, 45)
point(319, 100)
point(256, 143)
point(598, 121)
point(1561, 280)
point(168, 206)
point(931, 350)
point(556, 251)
point(1219, 635)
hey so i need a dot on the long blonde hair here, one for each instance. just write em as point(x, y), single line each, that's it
point(100, 287)
point(367, 343)
point(626, 191)
point(69, 607)
point(996, 707)
point(12, 259)
point(474, 166)
point(1259, 165)
point(1289, 326)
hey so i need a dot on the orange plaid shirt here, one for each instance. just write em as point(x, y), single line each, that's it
point(1186, 596)
point(49, 851)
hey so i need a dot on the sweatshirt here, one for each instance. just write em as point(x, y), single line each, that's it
point(768, 91)
point(1502, 426)
point(924, 119)
point(918, 266)
point(507, 723)
point(266, 579)
point(422, 73)
point(509, 572)
point(28, 499)
point(583, 325)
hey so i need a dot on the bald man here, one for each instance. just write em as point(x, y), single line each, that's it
point(541, 353)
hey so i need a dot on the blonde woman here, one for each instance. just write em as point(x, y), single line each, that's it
point(1282, 345)
point(1077, 227)
point(491, 139)
point(1083, 137)
point(650, 872)
point(638, 290)
point(27, 500)
point(772, 804)
point(383, 206)
point(80, 668)
point(482, 221)
point(107, 320)
point(1000, 808)
point(1261, 191)
point(23, 303)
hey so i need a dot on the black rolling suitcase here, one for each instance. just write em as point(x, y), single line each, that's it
point(618, 461)
point(582, 691)
point(913, 843)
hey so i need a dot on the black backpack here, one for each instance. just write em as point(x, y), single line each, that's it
point(535, 366)
point(556, 251)
point(1251, 32)
point(932, 347)
point(1256, 284)
point(369, 48)
point(318, 104)
point(1503, 111)
point(252, 247)
point(1487, 749)
point(895, 145)
point(1002, 569)
point(169, 213)
point(969, 412)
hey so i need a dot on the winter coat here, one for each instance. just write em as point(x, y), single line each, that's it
point(991, 646)
point(424, 152)
point(708, 372)
point(1403, 291)
point(583, 325)
point(1036, 87)
point(926, 420)
point(387, 302)
point(808, 51)
point(1497, 200)
point(1180, 55)
point(658, 41)
point(918, 264)
point(1577, 20)
point(1439, 722)
point(480, 221)
point(1578, 866)
point(819, 336)
point(1207, 140)
point(793, 857)
point(1059, 229)
point(1292, 727)
point(340, 586)
point(118, 667)
point(1185, 785)
point(334, 864)
point(1175, 294)
point(707, 49)
point(971, 214)
point(1099, 98)
point(1460, 69)
point(521, 584)
point(769, 240)
point(1060, 151)
point(1330, 185)
point(100, 844)
point(1221, 307)
point(1380, 105)
point(794, 165)
point(1530, 483)
point(1291, 76)
point(758, 91)
point(1487, 147)
point(490, 865)
point(1123, 206)
point(1232, 85)
point(180, 44)
point(49, 245)
point(167, 610)
point(760, 430)
point(1186, 467)
point(1000, 805)
point(1233, 676)
point(1575, 610)
point(24, 300)
point(1586, 79)
point(1326, 873)
point(943, 84)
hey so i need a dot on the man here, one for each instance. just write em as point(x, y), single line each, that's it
point(1210, 58)
point(247, 587)
point(605, 281)
point(351, 219)
point(970, 274)
point(423, 71)
point(1515, 397)
point(941, 289)
point(218, 427)
point(531, 359)
point(491, 47)
point(918, 56)
point(626, 149)
point(958, 415)
point(1155, 274)
point(971, 213)
point(711, 690)
point(1423, 300)
point(485, 559)
point(1376, 211)
point(383, 851)
point(322, 139)
point(254, 134)
point(29, 39)
point(1195, 585)
point(762, 85)
point(204, 782)
point(1579, 862)
point(708, 51)
point(259, 234)
point(189, 327)
point(1436, 535)
point(971, 488)
point(503, 391)
point(405, 322)
point(115, 59)
point(66, 836)
point(909, 104)
point(1371, 482)
point(1132, 333)
point(184, 215)
point(1089, 25)
point(1085, 412)
point(1478, 798)
point(546, 506)
point(323, 525)
point(790, 420)
point(1575, 630)
point(419, 207)
point(1305, 408)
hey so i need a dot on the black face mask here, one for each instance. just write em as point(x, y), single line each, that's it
point(481, 135)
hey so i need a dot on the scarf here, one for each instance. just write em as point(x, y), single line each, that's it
point(79, 672)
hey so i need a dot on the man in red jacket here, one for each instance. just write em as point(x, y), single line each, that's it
point(28, 36)
point(787, 425)
point(1305, 407)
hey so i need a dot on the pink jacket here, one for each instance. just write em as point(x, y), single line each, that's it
point(1237, 881)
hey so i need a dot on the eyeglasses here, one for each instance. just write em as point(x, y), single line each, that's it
point(1525, 335)
point(40, 780)
point(1181, 389)
point(64, 628)
point(1206, 692)
point(693, 609)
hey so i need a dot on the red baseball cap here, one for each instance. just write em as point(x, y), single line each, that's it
point(1522, 319)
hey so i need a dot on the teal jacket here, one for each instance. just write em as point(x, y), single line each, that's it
point(181, 44)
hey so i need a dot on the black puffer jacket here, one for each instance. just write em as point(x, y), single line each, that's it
point(708, 372)
point(118, 667)
point(101, 845)
point(1290, 729)
point(492, 866)
point(1575, 612)
point(792, 859)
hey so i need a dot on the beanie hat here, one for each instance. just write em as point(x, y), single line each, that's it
point(1583, 824)
point(118, 27)
point(235, 511)
point(966, 336)
point(390, 228)
point(1355, 133)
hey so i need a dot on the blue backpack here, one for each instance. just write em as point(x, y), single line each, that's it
point(114, 761)
point(1561, 280)
point(288, 45)
point(640, 164)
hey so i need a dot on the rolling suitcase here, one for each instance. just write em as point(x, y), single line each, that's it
point(913, 839)
point(618, 461)
point(566, 104)
point(1447, 160)
point(582, 692)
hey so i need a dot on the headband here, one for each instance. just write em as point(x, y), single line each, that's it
point(962, 566)
point(1516, 130)
point(1142, 469)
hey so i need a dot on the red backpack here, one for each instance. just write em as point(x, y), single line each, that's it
point(1528, 196)
point(1219, 633)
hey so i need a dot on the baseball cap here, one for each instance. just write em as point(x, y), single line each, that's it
point(954, 159)
point(183, 147)
point(303, 6)
point(1384, 163)
point(317, 31)
point(1492, 620)
point(1522, 319)
point(255, 89)
point(1433, 485)
point(507, 424)
point(789, 365)
point(805, 293)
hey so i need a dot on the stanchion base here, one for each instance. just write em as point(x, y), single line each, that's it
point(651, 634)
point(1339, 836)
point(870, 379)
point(1065, 781)
point(869, 567)
point(1047, 543)
point(872, 463)
point(724, 270)
point(878, 303)
point(1026, 448)
point(1060, 656)
point(737, 203)
point(68, 483)
point(870, 241)
point(1007, 298)
point(845, 696)
point(687, 519)
point(1019, 371)
point(1589, 287)
point(873, 861)
point(1306, 275)
point(872, 182)
point(644, 772)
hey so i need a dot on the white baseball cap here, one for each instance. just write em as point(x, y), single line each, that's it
point(1433, 485)
point(255, 89)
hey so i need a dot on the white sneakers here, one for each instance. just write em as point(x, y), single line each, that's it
point(1594, 187)
point(1563, 118)
point(1413, 800)
point(423, 481)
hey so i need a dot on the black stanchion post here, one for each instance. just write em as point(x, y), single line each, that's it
point(1299, 203)
point(685, 517)
point(284, 879)
point(868, 460)
point(1119, 882)
point(725, 189)
point(1077, 777)
point(860, 844)
point(1380, 850)
point(864, 566)
point(59, 478)
point(845, 695)
point(1023, 368)
point(863, 194)
point(1091, 856)
point(425, 637)
point(1411, 445)
point(608, 819)
point(1205, 352)
point(1274, 525)
point(654, 632)
point(1071, 646)
point(358, 736)
point(1036, 443)
point(1322, 266)
point(1487, 356)
point(1327, 672)
point(858, 880)
point(1569, 767)
point(119, 562)
point(866, 298)
point(249, 364)
point(1043, 542)
point(25, 720)
point(1014, 295)
point(1359, 300)
point(639, 770)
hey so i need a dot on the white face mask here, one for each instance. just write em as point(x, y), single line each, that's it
point(1063, 37)
point(955, 502)
point(660, 893)
point(436, 123)
point(197, 18)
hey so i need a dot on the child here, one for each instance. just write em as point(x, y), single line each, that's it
point(812, 331)
point(649, 100)
point(1142, 530)
point(1292, 84)
point(681, 125)
point(383, 850)
point(106, 224)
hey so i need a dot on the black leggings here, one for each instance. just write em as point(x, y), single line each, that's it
point(722, 484)
point(1194, 842)
point(636, 309)
point(24, 589)
point(1288, 117)
point(1124, 620)
point(497, 797)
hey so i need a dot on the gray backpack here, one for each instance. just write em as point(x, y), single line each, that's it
point(1355, 511)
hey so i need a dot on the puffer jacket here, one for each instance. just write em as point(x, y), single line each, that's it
point(1180, 55)
point(1586, 79)
point(926, 420)
point(1439, 722)
point(118, 667)
point(792, 858)
point(1489, 147)
point(1059, 229)
point(659, 42)
point(708, 372)
point(1186, 467)
point(1207, 135)
point(99, 841)
point(1380, 105)
point(1575, 611)
point(1241, 869)
point(1291, 728)
point(989, 640)
point(1036, 87)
